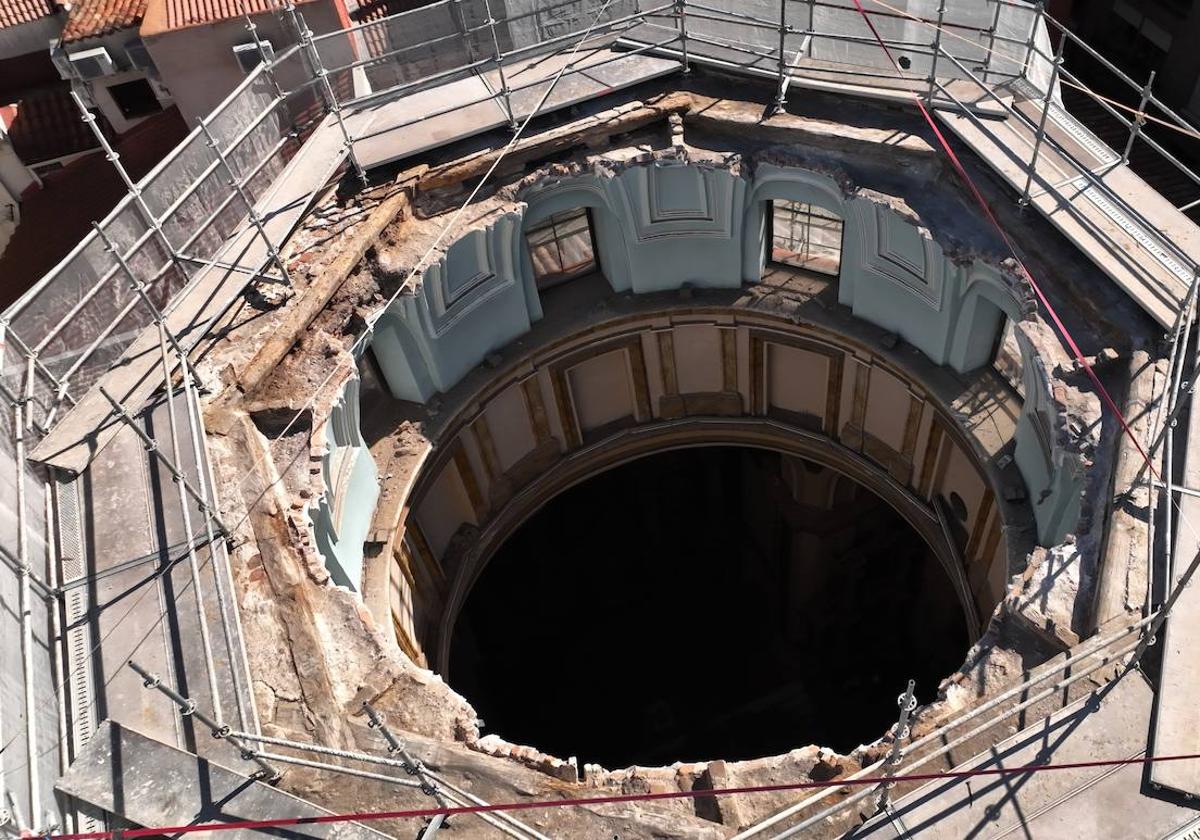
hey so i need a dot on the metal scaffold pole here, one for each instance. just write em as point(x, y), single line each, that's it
point(164, 335)
point(1039, 11)
point(500, 820)
point(990, 53)
point(498, 58)
point(114, 157)
point(1139, 119)
point(1040, 137)
point(313, 56)
point(681, 15)
point(907, 702)
point(937, 50)
point(187, 707)
point(151, 446)
point(252, 214)
point(781, 90)
point(25, 615)
point(266, 59)
point(412, 767)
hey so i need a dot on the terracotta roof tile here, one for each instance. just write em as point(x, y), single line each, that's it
point(94, 18)
point(184, 13)
point(45, 124)
point(16, 12)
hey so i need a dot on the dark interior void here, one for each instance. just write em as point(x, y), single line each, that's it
point(705, 603)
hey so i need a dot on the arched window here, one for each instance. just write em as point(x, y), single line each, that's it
point(561, 247)
point(806, 236)
point(1007, 359)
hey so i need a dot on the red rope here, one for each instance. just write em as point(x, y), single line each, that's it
point(366, 816)
point(1059, 325)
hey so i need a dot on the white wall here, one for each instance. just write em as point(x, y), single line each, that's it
point(15, 178)
point(98, 88)
point(198, 63)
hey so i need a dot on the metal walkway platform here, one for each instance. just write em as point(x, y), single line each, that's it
point(129, 595)
point(1052, 805)
point(1123, 226)
point(1177, 712)
point(399, 128)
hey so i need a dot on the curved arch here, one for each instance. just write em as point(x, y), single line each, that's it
point(642, 441)
point(546, 198)
point(774, 182)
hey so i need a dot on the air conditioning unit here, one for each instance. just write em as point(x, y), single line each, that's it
point(93, 64)
point(248, 56)
point(138, 55)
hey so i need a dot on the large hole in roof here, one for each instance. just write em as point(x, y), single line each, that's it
point(713, 602)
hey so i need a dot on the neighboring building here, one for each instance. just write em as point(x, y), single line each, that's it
point(100, 48)
point(26, 28)
point(203, 50)
point(45, 130)
point(35, 134)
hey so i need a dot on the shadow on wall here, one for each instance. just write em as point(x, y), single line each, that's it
point(667, 224)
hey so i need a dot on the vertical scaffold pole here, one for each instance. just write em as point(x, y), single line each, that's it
point(498, 57)
point(460, 21)
point(266, 60)
point(781, 90)
point(151, 446)
point(812, 26)
point(413, 768)
point(331, 101)
point(681, 20)
point(187, 706)
point(907, 702)
point(937, 51)
point(1039, 11)
point(1040, 137)
point(411, 765)
point(991, 47)
point(252, 214)
point(1139, 119)
point(25, 614)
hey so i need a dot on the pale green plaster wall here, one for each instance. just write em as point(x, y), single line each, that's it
point(661, 226)
point(342, 515)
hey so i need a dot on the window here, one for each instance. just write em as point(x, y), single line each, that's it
point(1007, 359)
point(561, 247)
point(135, 99)
point(806, 236)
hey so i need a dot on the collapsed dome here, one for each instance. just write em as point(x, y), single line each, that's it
point(705, 602)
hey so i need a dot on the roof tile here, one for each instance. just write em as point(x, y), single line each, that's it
point(16, 12)
point(94, 18)
point(184, 13)
point(45, 124)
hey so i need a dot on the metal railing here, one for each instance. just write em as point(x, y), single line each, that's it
point(63, 333)
point(181, 219)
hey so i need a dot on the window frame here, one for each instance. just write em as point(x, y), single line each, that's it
point(820, 213)
point(1017, 387)
point(551, 223)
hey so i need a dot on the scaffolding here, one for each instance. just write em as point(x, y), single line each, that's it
point(183, 219)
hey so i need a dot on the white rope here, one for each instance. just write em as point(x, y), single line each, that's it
point(420, 265)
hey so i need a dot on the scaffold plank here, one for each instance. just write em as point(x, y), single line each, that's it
point(90, 424)
point(148, 782)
